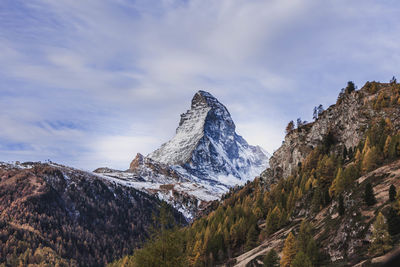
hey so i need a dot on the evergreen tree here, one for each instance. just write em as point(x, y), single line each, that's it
point(316, 199)
point(312, 251)
point(315, 114)
point(370, 160)
point(251, 238)
point(320, 109)
point(304, 235)
point(327, 198)
point(350, 174)
point(350, 87)
point(369, 196)
point(289, 251)
point(165, 248)
point(345, 153)
point(271, 259)
point(367, 145)
point(350, 152)
point(272, 222)
point(358, 157)
point(392, 193)
point(393, 147)
point(393, 221)
point(301, 260)
point(341, 206)
point(306, 242)
point(299, 122)
point(387, 145)
point(290, 127)
point(380, 241)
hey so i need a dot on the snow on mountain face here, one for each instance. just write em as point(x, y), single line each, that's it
point(178, 150)
point(201, 162)
point(207, 147)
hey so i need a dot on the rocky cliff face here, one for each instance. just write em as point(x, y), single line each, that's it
point(202, 161)
point(347, 121)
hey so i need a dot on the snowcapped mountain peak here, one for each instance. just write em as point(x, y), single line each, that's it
point(207, 147)
point(203, 98)
point(205, 110)
point(201, 162)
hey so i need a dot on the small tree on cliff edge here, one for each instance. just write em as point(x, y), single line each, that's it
point(350, 87)
point(290, 127)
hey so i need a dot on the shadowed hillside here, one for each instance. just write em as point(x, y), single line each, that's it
point(61, 216)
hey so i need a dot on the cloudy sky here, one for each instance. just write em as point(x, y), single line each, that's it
point(91, 83)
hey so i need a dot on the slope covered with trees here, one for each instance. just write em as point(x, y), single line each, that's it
point(333, 205)
point(52, 215)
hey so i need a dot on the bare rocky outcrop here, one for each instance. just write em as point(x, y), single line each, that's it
point(347, 121)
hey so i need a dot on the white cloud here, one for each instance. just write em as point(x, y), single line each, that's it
point(105, 66)
point(120, 150)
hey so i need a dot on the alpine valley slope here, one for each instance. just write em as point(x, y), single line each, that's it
point(329, 198)
point(202, 161)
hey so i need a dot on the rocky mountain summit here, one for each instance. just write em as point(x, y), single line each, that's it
point(202, 161)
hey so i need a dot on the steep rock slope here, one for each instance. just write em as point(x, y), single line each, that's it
point(346, 121)
point(202, 161)
point(52, 214)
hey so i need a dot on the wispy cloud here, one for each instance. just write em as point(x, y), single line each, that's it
point(91, 83)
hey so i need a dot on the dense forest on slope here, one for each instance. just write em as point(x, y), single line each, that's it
point(52, 215)
point(333, 206)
